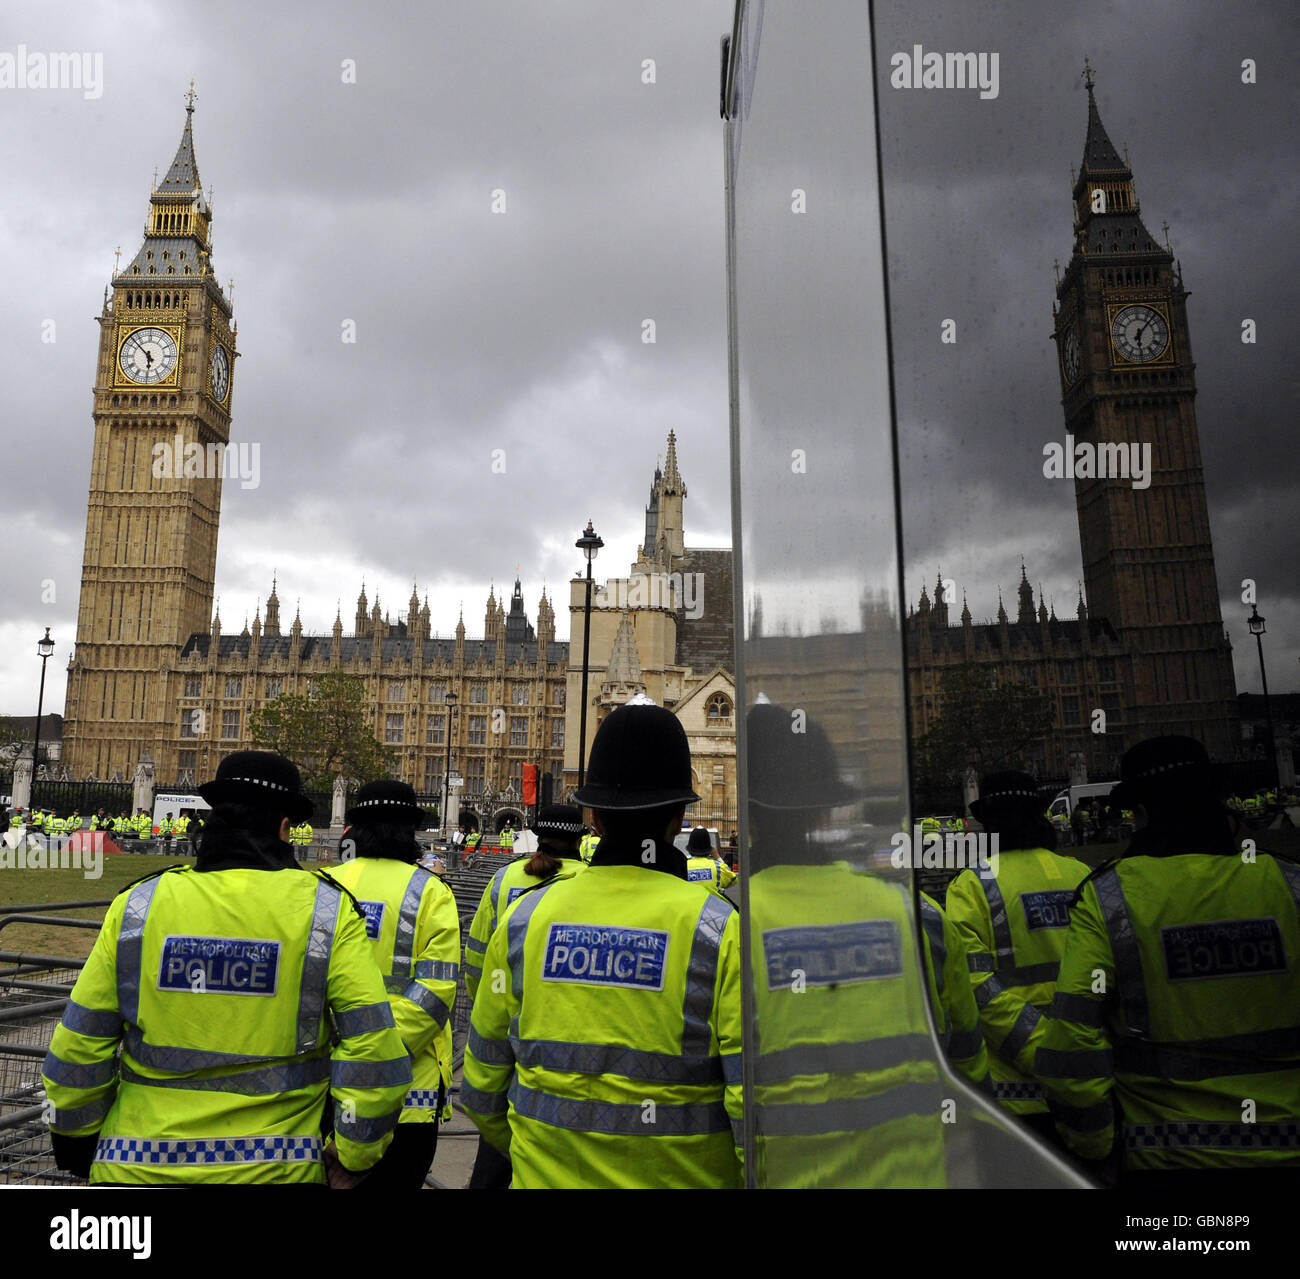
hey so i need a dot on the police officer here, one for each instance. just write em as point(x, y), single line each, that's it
point(414, 930)
point(212, 1085)
point(506, 838)
point(1013, 922)
point(587, 845)
point(557, 829)
point(845, 1075)
point(606, 1053)
point(703, 865)
point(1175, 1012)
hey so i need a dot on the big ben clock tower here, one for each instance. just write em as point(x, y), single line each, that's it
point(163, 383)
point(1128, 378)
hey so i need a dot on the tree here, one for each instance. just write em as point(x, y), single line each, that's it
point(326, 732)
point(981, 725)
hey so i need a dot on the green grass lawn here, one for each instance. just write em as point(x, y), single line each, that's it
point(36, 888)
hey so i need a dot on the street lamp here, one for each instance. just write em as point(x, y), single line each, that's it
point(446, 776)
point(1256, 624)
point(44, 648)
point(588, 544)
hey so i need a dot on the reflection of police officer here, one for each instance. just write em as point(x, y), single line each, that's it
point(605, 1046)
point(1013, 922)
point(703, 863)
point(846, 1084)
point(1175, 1011)
point(212, 1086)
point(413, 926)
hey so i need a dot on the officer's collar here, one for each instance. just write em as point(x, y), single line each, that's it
point(633, 852)
point(240, 850)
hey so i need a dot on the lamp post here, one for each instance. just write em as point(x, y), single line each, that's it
point(1256, 624)
point(44, 648)
point(588, 544)
point(446, 775)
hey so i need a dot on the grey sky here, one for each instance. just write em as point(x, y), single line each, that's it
point(522, 332)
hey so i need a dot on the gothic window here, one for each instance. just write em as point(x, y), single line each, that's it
point(719, 709)
point(436, 733)
point(1106, 670)
point(274, 687)
point(1069, 711)
point(193, 686)
point(393, 725)
point(519, 730)
point(437, 692)
point(229, 725)
point(557, 695)
point(234, 686)
point(188, 761)
point(1110, 704)
point(519, 694)
point(478, 730)
point(475, 774)
point(397, 690)
point(188, 724)
point(478, 692)
point(557, 734)
point(1068, 673)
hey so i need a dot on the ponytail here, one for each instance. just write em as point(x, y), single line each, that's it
point(543, 863)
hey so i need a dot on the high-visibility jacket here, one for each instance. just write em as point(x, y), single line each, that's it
point(956, 1014)
point(182, 828)
point(143, 825)
point(506, 839)
point(1014, 926)
point(16, 820)
point(588, 845)
point(1179, 1005)
point(510, 882)
point(472, 841)
point(219, 987)
point(165, 827)
point(611, 1056)
point(414, 931)
point(710, 870)
point(847, 1085)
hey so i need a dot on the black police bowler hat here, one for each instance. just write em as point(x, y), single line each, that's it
point(639, 759)
point(791, 762)
point(260, 779)
point(560, 821)
point(1006, 792)
point(387, 801)
point(1164, 766)
point(699, 841)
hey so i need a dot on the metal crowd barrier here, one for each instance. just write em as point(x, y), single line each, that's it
point(34, 989)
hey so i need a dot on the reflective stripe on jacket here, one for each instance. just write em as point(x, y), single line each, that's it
point(611, 1056)
point(217, 987)
point(1014, 927)
point(414, 930)
point(509, 882)
point(1179, 1007)
point(956, 1014)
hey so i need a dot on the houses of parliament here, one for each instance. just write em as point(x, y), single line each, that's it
point(152, 672)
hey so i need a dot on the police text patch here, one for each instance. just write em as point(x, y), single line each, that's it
point(374, 913)
point(597, 955)
point(1048, 909)
point(219, 965)
point(1234, 948)
point(828, 954)
point(697, 874)
point(516, 892)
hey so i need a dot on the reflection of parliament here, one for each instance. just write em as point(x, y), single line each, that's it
point(1148, 647)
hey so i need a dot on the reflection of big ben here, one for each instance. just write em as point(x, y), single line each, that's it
point(162, 382)
point(1127, 377)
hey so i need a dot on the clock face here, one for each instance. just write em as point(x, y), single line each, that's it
point(1070, 355)
point(148, 356)
point(1140, 334)
point(219, 372)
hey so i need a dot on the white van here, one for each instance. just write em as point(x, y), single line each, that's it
point(173, 801)
point(1063, 806)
